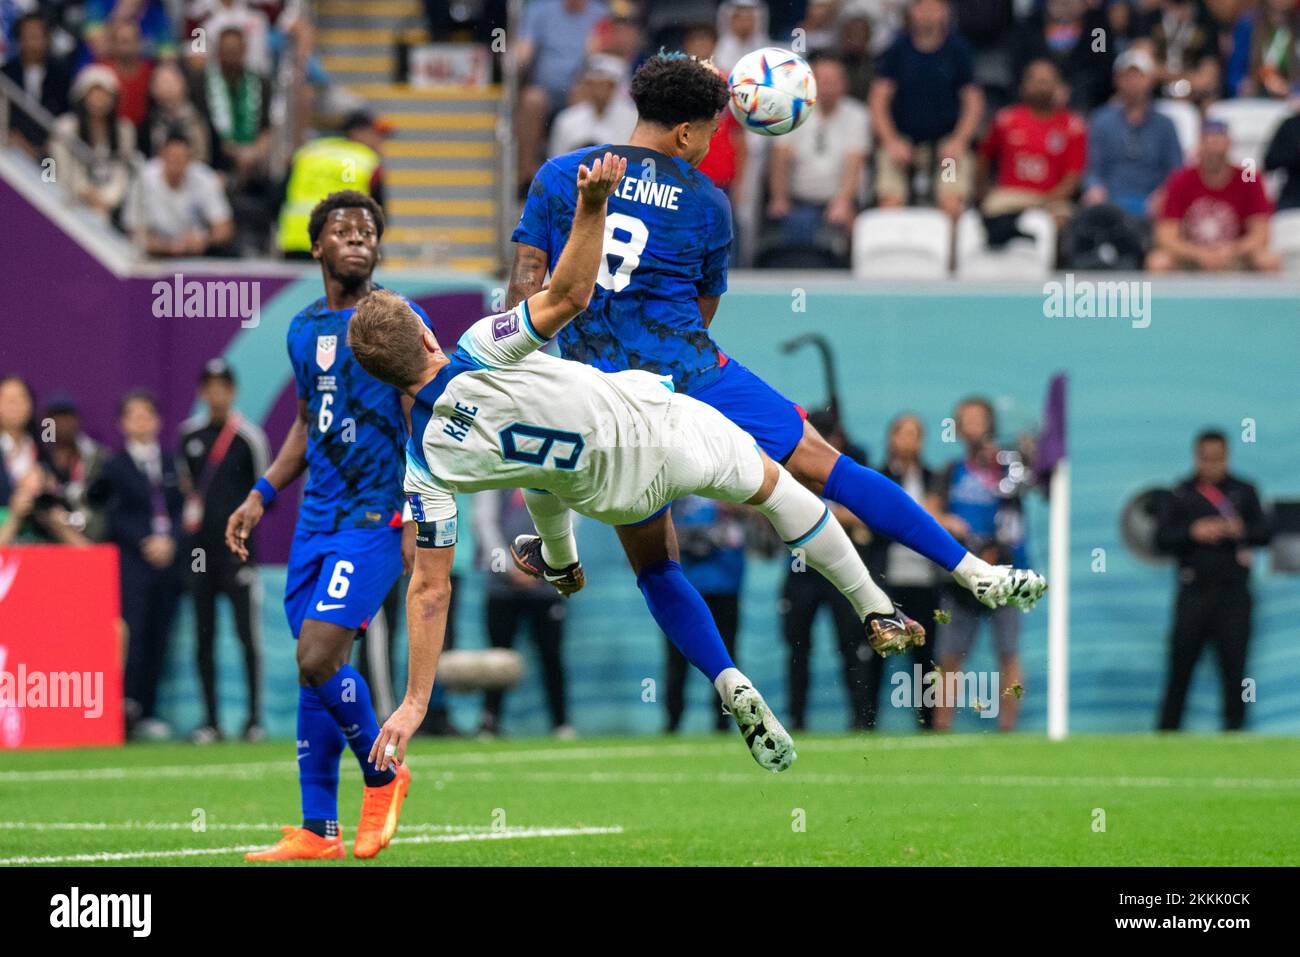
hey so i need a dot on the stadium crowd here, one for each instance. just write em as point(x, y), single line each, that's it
point(163, 111)
point(1068, 106)
point(1094, 111)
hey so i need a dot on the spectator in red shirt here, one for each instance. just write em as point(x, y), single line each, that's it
point(1215, 216)
point(1038, 149)
point(133, 70)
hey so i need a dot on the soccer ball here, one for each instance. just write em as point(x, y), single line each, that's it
point(772, 91)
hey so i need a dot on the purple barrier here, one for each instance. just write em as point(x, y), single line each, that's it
point(69, 325)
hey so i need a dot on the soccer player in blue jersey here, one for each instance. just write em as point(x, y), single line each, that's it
point(664, 270)
point(495, 413)
point(349, 437)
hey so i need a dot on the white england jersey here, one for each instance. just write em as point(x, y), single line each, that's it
point(503, 415)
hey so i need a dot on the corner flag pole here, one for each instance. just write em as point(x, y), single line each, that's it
point(1054, 460)
point(1058, 604)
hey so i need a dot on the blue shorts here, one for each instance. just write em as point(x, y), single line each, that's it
point(774, 421)
point(341, 577)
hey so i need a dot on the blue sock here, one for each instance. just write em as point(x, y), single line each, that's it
point(684, 617)
point(884, 507)
point(320, 742)
point(347, 697)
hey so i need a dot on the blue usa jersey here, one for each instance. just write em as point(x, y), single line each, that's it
point(356, 431)
point(667, 236)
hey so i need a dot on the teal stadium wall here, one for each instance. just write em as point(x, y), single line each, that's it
point(1210, 356)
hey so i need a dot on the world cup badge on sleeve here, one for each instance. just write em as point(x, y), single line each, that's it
point(504, 325)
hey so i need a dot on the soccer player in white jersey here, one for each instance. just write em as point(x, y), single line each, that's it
point(617, 447)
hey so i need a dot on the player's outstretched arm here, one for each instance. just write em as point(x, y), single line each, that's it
point(290, 462)
point(574, 276)
point(427, 602)
point(526, 275)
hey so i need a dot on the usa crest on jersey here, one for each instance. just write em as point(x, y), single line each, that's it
point(326, 348)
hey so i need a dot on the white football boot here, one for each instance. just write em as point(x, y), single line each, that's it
point(769, 742)
point(998, 585)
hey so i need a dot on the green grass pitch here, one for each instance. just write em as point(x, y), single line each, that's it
point(966, 800)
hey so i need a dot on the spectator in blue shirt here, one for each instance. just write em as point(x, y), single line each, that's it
point(1132, 147)
point(157, 34)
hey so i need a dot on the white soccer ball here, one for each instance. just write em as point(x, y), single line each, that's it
point(772, 91)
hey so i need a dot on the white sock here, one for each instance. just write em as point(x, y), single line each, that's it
point(804, 523)
point(555, 526)
point(968, 568)
point(727, 681)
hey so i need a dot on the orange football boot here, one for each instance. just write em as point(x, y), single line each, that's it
point(379, 811)
point(300, 844)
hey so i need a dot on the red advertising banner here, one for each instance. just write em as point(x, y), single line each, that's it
point(60, 647)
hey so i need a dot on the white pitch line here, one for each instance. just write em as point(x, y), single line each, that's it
point(866, 779)
point(254, 770)
point(508, 834)
point(108, 857)
point(187, 826)
point(244, 772)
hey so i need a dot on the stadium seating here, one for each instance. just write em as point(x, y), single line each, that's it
point(1021, 258)
point(1187, 123)
point(901, 244)
point(1286, 239)
point(1251, 124)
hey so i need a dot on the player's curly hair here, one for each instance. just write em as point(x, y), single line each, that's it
point(673, 88)
point(344, 199)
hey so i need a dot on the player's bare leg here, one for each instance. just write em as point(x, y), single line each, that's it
point(814, 462)
point(651, 549)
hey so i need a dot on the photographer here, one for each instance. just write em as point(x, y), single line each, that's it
point(32, 508)
point(980, 498)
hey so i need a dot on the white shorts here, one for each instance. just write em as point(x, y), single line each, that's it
point(710, 456)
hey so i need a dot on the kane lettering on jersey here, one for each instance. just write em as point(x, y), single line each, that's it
point(501, 414)
point(356, 430)
point(667, 237)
